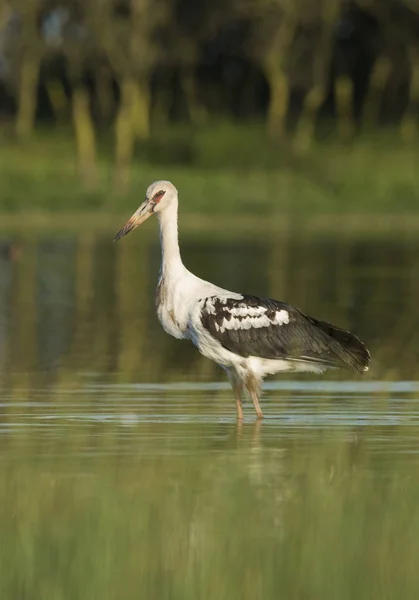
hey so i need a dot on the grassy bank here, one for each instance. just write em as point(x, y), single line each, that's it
point(223, 170)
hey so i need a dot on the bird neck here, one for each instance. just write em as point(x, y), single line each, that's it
point(171, 262)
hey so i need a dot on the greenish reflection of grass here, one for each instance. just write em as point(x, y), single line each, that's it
point(248, 521)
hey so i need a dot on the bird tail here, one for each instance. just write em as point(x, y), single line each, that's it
point(346, 346)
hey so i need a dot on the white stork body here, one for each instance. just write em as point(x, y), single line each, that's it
point(249, 337)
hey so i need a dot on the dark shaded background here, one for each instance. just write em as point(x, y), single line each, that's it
point(201, 59)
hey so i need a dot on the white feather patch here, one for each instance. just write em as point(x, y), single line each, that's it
point(281, 317)
point(210, 303)
point(247, 311)
point(247, 318)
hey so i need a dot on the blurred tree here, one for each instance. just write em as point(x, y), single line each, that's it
point(184, 34)
point(344, 103)
point(80, 53)
point(319, 21)
point(409, 123)
point(24, 49)
point(272, 26)
point(104, 93)
point(85, 133)
point(385, 50)
point(378, 82)
point(192, 53)
point(58, 99)
point(193, 26)
point(399, 45)
point(128, 34)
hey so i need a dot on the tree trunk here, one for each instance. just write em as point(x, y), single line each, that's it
point(377, 84)
point(141, 109)
point(160, 110)
point(28, 91)
point(196, 112)
point(57, 98)
point(306, 125)
point(85, 135)
point(409, 124)
point(125, 133)
point(344, 107)
point(278, 102)
point(104, 94)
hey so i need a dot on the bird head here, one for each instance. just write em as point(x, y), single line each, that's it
point(159, 196)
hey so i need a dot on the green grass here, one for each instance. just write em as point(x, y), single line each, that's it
point(222, 170)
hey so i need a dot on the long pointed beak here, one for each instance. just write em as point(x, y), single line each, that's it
point(140, 215)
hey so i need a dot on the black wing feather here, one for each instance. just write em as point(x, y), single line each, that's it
point(303, 338)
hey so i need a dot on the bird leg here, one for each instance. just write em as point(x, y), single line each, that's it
point(253, 387)
point(239, 408)
point(237, 386)
point(255, 400)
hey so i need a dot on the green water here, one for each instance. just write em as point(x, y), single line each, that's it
point(123, 473)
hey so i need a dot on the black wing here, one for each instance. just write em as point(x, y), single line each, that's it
point(267, 328)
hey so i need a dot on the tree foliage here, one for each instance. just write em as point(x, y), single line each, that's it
point(152, 61)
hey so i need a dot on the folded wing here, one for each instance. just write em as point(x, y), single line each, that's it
point(270, 329)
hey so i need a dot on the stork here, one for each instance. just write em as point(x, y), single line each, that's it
point(248, 336)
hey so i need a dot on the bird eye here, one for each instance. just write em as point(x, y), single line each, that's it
point(157, 197)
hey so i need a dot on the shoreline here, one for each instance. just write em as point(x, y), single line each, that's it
point(333, 223)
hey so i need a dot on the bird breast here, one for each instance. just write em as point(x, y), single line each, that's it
point(169, 309)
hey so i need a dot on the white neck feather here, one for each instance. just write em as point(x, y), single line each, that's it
point(171, 263)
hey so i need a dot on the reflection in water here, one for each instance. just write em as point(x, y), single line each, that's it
point(86, 303)
point(122, 467)
point(54, 299)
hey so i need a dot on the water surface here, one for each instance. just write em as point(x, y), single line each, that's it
point(123, 472)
